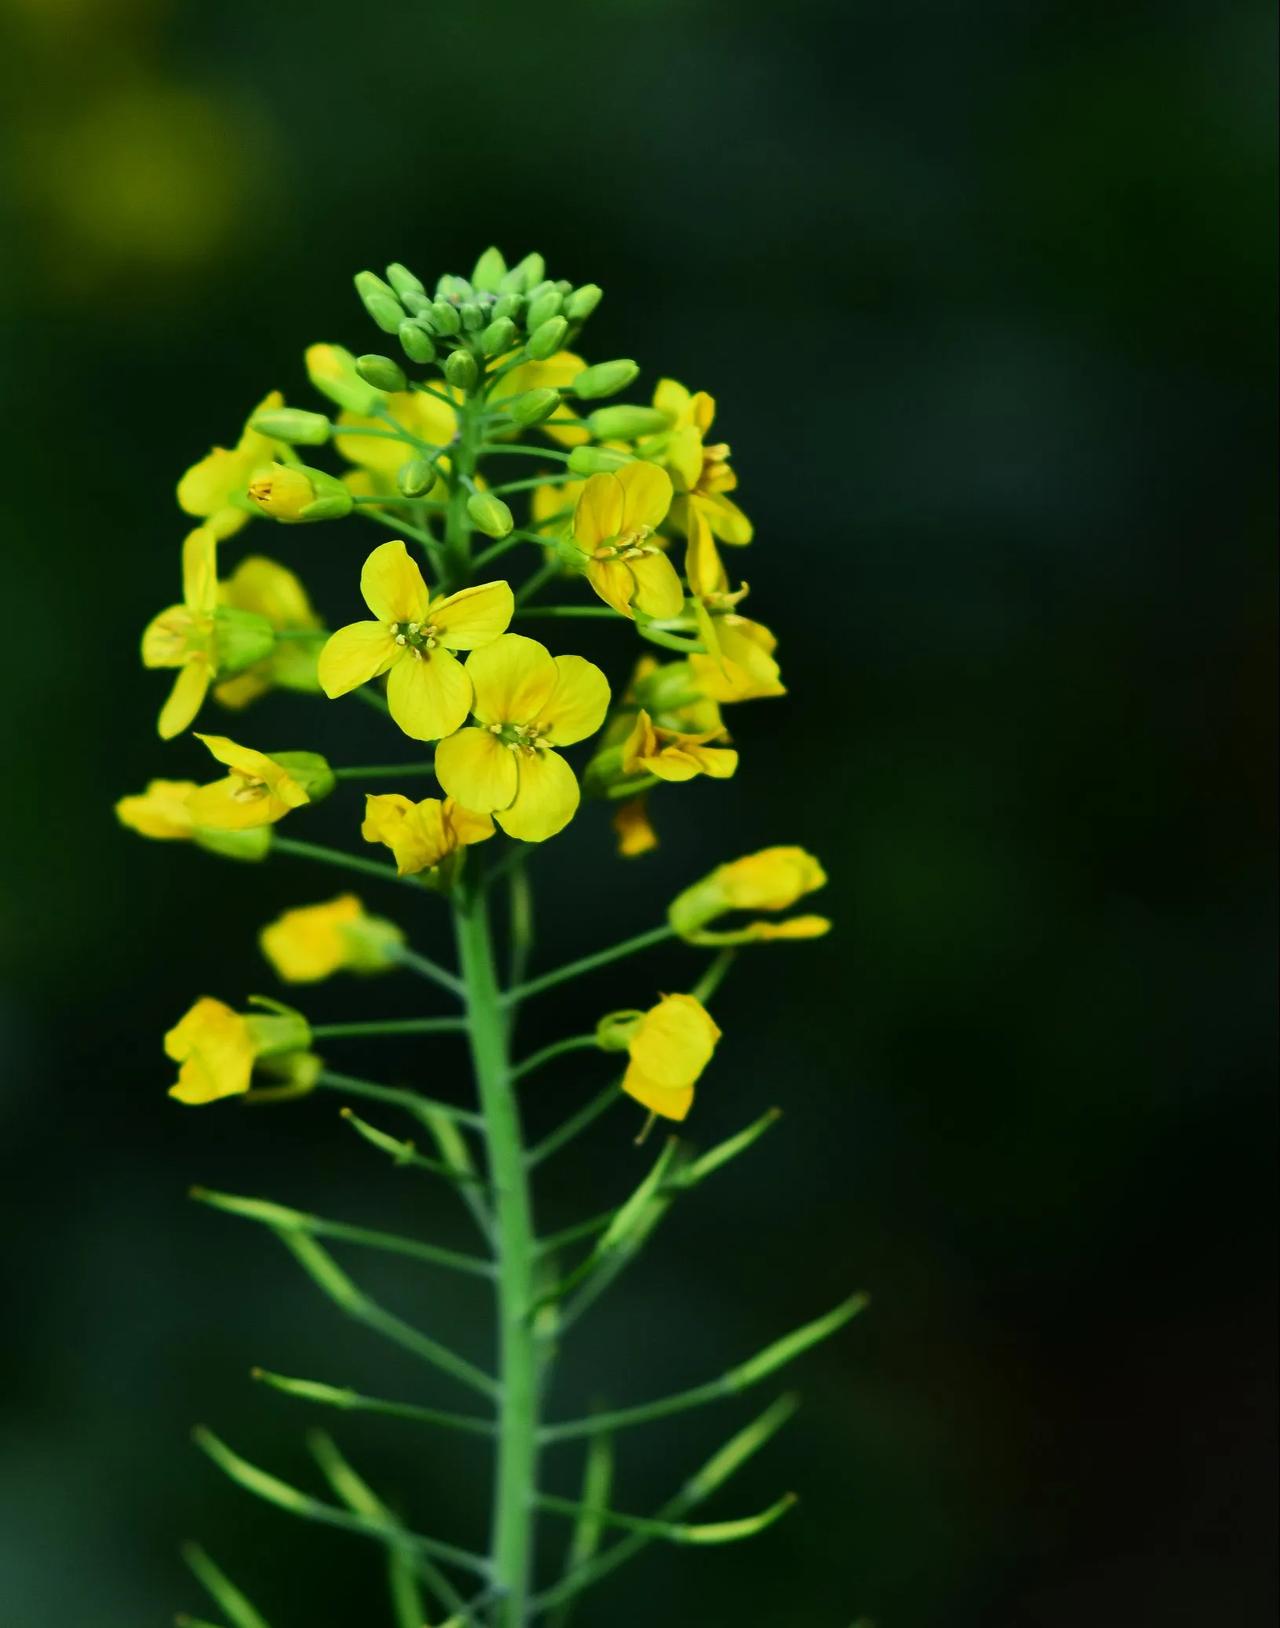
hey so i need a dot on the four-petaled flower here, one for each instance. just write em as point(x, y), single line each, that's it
point(182, 635)
point(671, 754)
point(422, 834)
point(527, 702)
point(316, 940)
point(259, 790)
point(613, 526)
point(215, 489)
point(670, 1046)
point(428, 691)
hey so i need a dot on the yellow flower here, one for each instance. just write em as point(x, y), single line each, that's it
point(270, 590)
point(634, 829)
point(161, 811)
point(670, 1046)
point(215, 488)
point(312, 942)
point(773, 879)
point(421, 835)
point(217, 1048)
point(295, 494)
point(182, 635)
point(423, 416)
point(673, 755)
point(615, 517)
point(526, 703)
point(259, 790)
point(553, 374)
point(428, 690)
point(701, 473)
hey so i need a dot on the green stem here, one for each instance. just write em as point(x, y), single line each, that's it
point(588, 963)
point(509, 448)
point(413, 1101)
point(575, 1042)
point(352, 1031)
point(514, 1241)
point(336, 857)
point(584, 611)
point(379, 771)
point(576, 1124)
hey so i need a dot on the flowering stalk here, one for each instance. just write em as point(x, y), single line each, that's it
point(491, 714)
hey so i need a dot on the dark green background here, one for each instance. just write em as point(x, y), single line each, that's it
point(984, 291)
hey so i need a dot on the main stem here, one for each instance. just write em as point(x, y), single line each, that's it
point(512, 1541)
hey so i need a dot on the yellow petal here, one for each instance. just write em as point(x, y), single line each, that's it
point(674, 1041)
point(475, 767)
point(270, 589)
point(598, 513)
point(546, 800)
point(160, 811)
point(634, 829)
point(657, 587)
point(392, 584)
point(185, 698)
point(702, 563)
point(383, 815)
point(513, 680)
point(646, 495)
point(307, 944)
point(200, 570)
point(467, 826)
point(214, 1048)
point(613, 581)
point(726, 519)
point(429, 694)
point(667, 1101)
point(169, 637)
point(577, 706)
point(474, 616)
point(684, 455)
point(355, 654)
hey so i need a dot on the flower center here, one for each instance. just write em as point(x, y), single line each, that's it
point(416, 636)
point(628, 545)
point(528, 739)
point(250, 790)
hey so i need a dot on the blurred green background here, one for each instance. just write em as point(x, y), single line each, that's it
point(985, 293)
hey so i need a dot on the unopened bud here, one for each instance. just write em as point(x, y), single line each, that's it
point(251, 844)
point(332, 370)
point(276, 1029)
point(627, 423)
point(379, 300)
point(472, 316)
point(292, 424)
point(416, 301)
point(416, 342)
point(403, 281)
point(489, 514)
point(382, 372)
point(507, 305)
point(460, 369)
point(445, 318)
point(533, 406)
point(498, 336)
point(546, 340)
point(294, 493)
point(597, 460)
point(417, 477)
point(491, 268)
point(604, 379)
point(449, 287)
point(615, 1029)
point(582, 302)
point(542, 309)
point(525, 274)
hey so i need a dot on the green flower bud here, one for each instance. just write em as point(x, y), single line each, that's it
point(526, 274)
point(491, 268)
point(292, 493)
point(292, 424)
point(627, 423)
point(253, 844)
point(507, 305)
point(445, 318)
point(417, 477)
point(498, 336)
point(381, 372)
point(416, 301)
point(310, 770)
point(417, 343)
point(489, 514)
point(239, 639)
point(583, 301)
point(533, 406)
point(403, 281)
point(453, 288)
point(460, 370)
point(564, 285)
point(332, 370)
point(543, 309)
point(472, 316)
point(546, 340)
point(597, 460)
point(615, 1029)
point(371, 943)
point(276, 1029)
point(604, 379)
point(379, 300)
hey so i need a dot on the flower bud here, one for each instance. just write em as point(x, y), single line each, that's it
point(615, 1029)
point(472, 316)
point(507, 305)
point(292, 494)
point(491, 268)
point(498, 336)
point(332, 370)
point(533, 406)
point(525, 274)
point(251, 845)
point(546, 340)
point(276, 1028)
point(379, 300)
point(604, 379)
point(449, 287)
point(310, 770)
point(542, 309)
point(240, 638)
point(445, 318)
point(579, 305)
point(417, 477)
point(314, 941)
point(403, 281)
point(460, 370)
point(627, 423)
point(381, 372)
point(597, 460)
point(416, 342)
point(417, 302)
point(489, 514)
point(772, 879)
point(292, 424)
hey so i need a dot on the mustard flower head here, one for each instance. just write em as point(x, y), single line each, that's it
point(669, 1046)
point(422, 835)
point(527, 702)
point(773, 879)
point(315, 941)
point(163, 813)
point(700, 469)
point(614, 523)
point(412, 641)
point(215, 489)
point(216, 1048)
point(259, 790)
point(672, 754)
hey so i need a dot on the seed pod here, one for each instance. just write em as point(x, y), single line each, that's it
point(604, 379)
point(546, 340)
point(381, 372)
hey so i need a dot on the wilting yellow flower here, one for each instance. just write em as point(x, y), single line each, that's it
point(218, 1047)
point(259, 790)
point(673, 755)
point(701, 473)
point(670, 1046)
point(423, 834)
point(553, 374)
point(634, 829)
point(182, 635)
point(215, 488)
point(773, 879)
point(526, 703)
point(428, 690)
point(271, 590)
point(613, 522)
point(738, 664)
point(312, 942)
